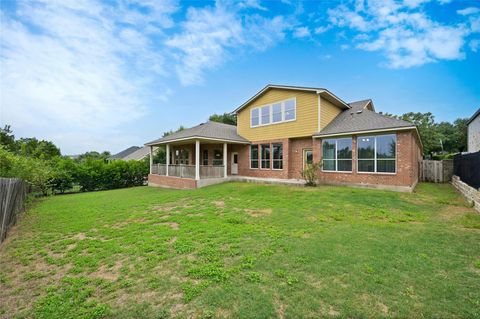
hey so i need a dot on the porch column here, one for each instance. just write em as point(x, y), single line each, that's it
point(197, 160)
point(151, 159)
point(167, 161)
point(225, 160)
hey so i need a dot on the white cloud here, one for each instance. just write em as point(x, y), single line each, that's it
point(301, 32)
point(468, 11)
point(474, 45)
point(322, 29)
point(208, 34)
point(66, 68)
point(253, 4)
point(403, 32)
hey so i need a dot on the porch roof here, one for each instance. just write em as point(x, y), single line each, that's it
point(210, 131)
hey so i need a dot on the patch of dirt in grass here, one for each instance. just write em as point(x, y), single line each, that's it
point(383, 308)
point(449, 213)
point(172, 240)
point(195, 214)
point(219, 203)
point(107, 273)
point(258, 212)
point(280, 306)
point(333, 313)
point(80, 236)
point(174, 225)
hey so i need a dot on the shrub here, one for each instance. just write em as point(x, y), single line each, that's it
point(310, 173)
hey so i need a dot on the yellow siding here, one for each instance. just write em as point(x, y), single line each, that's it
point(306, 122)
point(328, 112)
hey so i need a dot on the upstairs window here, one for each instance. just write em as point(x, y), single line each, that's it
point(277, 161)
point(277, 112)
point(337, 155)
point(377, 154)
point(265, 114)
point(255, 116)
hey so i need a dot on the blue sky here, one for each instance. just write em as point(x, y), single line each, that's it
point(92, 75)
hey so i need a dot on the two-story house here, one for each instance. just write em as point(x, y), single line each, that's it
point(283, 128)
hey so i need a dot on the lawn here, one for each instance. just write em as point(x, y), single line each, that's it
point(244, 251)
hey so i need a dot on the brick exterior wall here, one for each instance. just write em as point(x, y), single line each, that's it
point(171, 182)
point(408, 157)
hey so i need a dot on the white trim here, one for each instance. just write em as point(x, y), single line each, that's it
point(151, 159)
point(303, 155)
point(195, 137)
point(225, 160)
point(167, 161)
point(197, 160)
point(367, 132)
point(319, 112)
point(261, 157)
point(270, 109)
point(232, 163)
point(375, 156)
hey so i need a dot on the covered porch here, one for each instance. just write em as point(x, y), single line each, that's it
point(192, 159)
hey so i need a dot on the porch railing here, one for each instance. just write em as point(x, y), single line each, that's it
point(188, 171)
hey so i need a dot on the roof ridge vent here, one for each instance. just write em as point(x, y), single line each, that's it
point(359, 111)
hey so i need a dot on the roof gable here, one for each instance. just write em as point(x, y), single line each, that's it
point(125, 152)
point(474, 116)
point(323, 92)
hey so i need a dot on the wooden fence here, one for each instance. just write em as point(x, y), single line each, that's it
point(436, 171)
point(13, 193)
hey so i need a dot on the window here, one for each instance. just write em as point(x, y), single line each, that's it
point(377, 154)
point(265, 114)
point(254, 156)
point(307, 157)
point(337, 155)
point(217, 157)
point(277, 161)
point(205, 157)
point(265, 156)
point(181, 157)
point(277, 112)
point(289, 110)
point(255, 116)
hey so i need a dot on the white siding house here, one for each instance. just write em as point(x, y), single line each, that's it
point(474, 133)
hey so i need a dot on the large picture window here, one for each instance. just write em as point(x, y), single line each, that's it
point(205, 157)
point(265, 152)
point(337, 155)
point(254, 156)
point(277, 161)
point(283, 111)
point(377, 154)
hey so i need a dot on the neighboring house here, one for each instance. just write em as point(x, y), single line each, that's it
point(121, 155)
point(139, 154)
point(283, 128)
point(474, 132)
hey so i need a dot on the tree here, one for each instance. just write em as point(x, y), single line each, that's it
point(31, 147)
point(226, 118)
point(7, 139)
point(93, 155)
point(181, 128)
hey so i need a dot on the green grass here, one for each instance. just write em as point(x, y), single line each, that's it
point(242, 251)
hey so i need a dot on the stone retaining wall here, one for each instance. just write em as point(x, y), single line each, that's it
point(471, 194)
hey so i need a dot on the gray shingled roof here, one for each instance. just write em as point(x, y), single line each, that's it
point(474, 116)
point(359, 120)
point(359, 104)
point(124, 153)
point(139, 154)
point(208, 130)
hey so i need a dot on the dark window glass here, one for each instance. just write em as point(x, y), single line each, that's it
point(366, 165)
point(205, 157)
point(289, 110)
point(254, 156)
point(277, 156)
point(217, 157)
point(265, 160)
point(386, 146)
point(366, 147)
